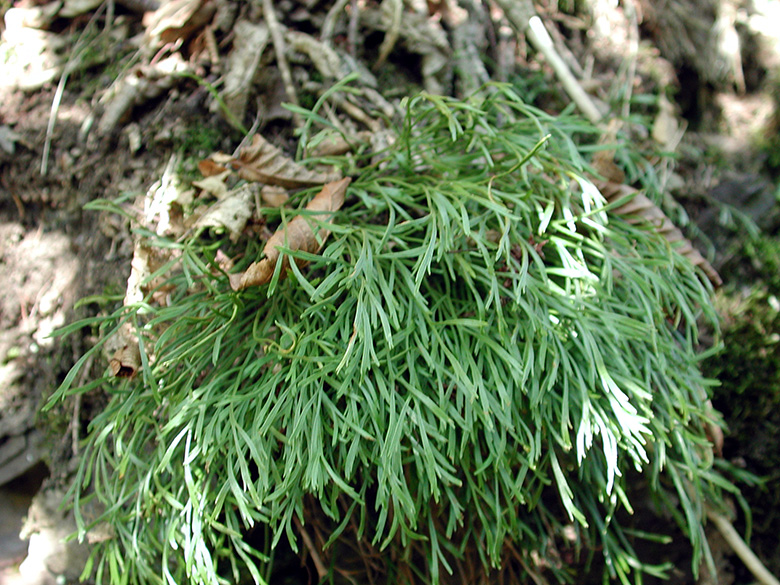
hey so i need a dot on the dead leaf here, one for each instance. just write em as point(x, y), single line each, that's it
point(298, 234)
point(603, 163)
point(224, 261)
point(214, 185)
point(177, 20)
point(640, 209)
point(126, 361)
point(32, 57)
point(209, 167)
point(248, 45)
point(261, 161)
point(140, 84)
point(273, 196)
point(147, 260)
point(231, 212)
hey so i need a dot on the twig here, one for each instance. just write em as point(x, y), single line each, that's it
point(743, 551)
point(563, 50)
point(329, 25)
point(393, 31)
point(352, 28)
point(277, 38)
point(74, 426)
point(356, 113)
point(322, 570)
point(633, 53)
point(523, 17)
point(540, 39)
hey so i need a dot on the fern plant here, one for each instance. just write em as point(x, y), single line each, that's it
point(469, 368)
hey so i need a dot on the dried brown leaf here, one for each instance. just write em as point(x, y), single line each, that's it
point(209, 167)
point(640, 209)
point(243, 61)
point(177, 20)
point(298, 234)
point(147, 260)
point(215, 184)
point(141, 83)
point(273, 196)
point(126, 360)
point(231, 212)
point(261, 161)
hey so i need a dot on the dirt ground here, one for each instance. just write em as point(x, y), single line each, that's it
point(53, 252)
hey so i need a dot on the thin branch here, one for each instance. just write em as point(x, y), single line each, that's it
point(328, 29)
point(541, 40)
point(322, 570)
point(277, 37)
point(393, 31)
point(743, 551)
point(523, 17)
point(352, 28)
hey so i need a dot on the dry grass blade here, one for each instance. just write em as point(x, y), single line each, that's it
point(261, 161)
point(296, 235)
point(639, 208)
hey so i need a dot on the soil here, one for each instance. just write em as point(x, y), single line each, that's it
point(53, 252)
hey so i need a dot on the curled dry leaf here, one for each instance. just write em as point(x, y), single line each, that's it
point(324, 58)
point(249, 43)
point(231, 212)
point(261, 161)
point(126, 361)
point(640, 209)
point(139, 85)
point(147, 260)
point(209, 167)
point(177, 20)
point(214, 184)
point(298, 234)
point(273, 196)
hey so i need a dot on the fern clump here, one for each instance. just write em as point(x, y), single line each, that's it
point(469, 367)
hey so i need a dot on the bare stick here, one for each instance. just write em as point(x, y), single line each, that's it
point(322, 571)
point(540, 39)
point(277, 37)
point(331, 18)
point(523, 17)
point(352, 27)
point(393, 32)
point(743, 551)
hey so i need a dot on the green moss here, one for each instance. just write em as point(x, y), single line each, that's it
point(750, 362)
point(749, 397)
point(198, 139)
